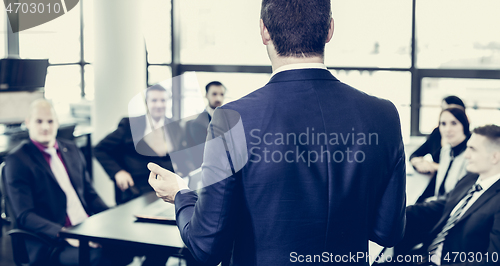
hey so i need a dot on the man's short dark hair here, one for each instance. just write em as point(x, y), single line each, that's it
point(213, 83)
point(297, 28)
point(491, 132)
point(156, 87)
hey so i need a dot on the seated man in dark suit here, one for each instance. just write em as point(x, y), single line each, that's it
point(125, 152)
point(198, 128)
point(464, 228)
point(49, 189)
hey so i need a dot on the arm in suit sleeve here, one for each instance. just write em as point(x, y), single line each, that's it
point(19, 179)
point(109, 148)
point(389, 220)
point(207, 221)
point(95, 203)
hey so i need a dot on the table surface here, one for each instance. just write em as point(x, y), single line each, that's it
point(119, 224)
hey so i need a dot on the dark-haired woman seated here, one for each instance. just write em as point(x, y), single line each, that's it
point(454, 130)
point(434, 143)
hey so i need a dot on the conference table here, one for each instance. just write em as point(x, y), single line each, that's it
point(118, 226)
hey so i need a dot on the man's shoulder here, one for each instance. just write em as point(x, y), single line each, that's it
point(202, 118)
point(349, 93)
point(465, 182)
point(132, 119)
point(21, 152)
point(23, 148)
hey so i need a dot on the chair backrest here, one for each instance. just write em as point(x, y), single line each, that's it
point(3, 207)
point(19, 252)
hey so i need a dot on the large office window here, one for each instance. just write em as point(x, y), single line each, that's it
point(60, 41)
point(3, 35)
point(481, 98)
point(412, 52)
point(458, 34)
point(221, 32)
point(370, 34)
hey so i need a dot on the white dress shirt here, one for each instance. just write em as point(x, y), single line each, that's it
point(299, 66)
point(74, 209)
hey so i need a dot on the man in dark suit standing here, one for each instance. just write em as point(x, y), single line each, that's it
point(464, 228)
point(125, 152)
point(304, 169)
point(49, 188)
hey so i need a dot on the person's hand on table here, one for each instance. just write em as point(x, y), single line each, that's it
point(165, 183)
point(423, 166)
point(76, 243)
point(73, 242)
point(124, 180)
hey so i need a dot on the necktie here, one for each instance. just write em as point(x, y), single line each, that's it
point(442, 191)
point(74, 209)
point(452, 220)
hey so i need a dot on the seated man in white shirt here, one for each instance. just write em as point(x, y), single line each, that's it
point(464, 228)
point(48, 187)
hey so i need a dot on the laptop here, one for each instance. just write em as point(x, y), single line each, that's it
point(157, 212)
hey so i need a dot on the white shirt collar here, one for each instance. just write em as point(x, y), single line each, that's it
point(299, 66)
point(488, 182)
point(210, 111)
point(156, 124)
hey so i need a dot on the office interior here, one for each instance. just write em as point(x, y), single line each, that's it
point(102, 54)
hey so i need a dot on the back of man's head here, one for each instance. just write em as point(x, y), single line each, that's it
point(297, 28)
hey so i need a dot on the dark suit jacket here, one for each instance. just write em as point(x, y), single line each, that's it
point(478, 230)
point(267, 210)
point(197, 134)
point(124, 149)
point(37, 200)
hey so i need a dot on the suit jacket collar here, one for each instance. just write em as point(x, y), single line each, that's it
point(138, 124)
point(38, 158)
point(302, 74)
point(68, 160)
point(487, 195)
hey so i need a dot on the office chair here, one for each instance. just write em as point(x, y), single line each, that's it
point(19, 236)
point(3, 213)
